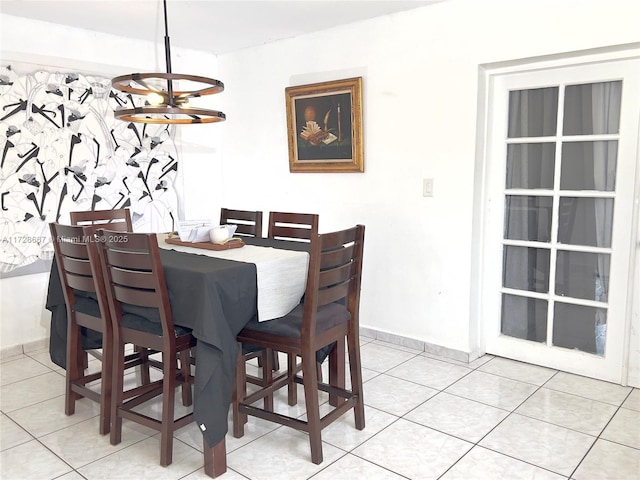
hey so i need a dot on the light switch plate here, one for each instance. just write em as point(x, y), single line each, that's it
point(427, 187)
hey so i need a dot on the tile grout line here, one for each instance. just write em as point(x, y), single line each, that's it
point(599, 436)
point(477, 444)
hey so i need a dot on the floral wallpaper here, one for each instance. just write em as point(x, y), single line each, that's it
point(62, 150)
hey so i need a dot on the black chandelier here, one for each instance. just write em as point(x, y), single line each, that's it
point(167, 95)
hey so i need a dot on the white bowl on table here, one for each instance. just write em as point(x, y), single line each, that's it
point(222, 233)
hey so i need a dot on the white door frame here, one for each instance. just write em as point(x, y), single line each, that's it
point(487, 75)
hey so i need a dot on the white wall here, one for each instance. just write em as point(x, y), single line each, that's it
point(420, 74)
point(420, 71)
point(23, 318)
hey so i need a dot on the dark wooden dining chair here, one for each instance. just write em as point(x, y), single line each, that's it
point(299, 227)
point(328, 315)
point(117, 219)
point(249, 223)
point(87, 308)
point(114, 219)
point(141, 314)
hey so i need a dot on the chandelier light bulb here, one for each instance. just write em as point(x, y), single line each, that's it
point(155, 99)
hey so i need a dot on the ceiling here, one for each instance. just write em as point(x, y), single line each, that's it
point(217, 26)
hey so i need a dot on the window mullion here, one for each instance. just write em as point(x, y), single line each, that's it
point(555, 216)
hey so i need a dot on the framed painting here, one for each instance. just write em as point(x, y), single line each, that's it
point(324, 126)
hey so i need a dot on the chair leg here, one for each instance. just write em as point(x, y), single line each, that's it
point(143, 354)
point(267, 376)
point(106, 385)
point(117, 393)
point(310, 384)
point(337, 371)
point(168, 404)
point(275, 360)
point(292, 387)
point(185, 373)
point(355, 370)
point(239, 393)
point(74, 369)
point(215, 458)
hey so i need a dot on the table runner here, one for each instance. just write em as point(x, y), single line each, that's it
point(281, 274)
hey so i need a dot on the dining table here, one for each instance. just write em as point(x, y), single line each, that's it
point(215, 293)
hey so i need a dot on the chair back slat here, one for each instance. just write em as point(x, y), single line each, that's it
point(136, 296)
point(79, 282)
point(248, 223)
point(77, 266)
point(340, 256)
point(293, 226)
point(342, 238)
point(334, 294)
point(243, 229)
point(78, 273)
point(134, 260)
point(74, 247)
point(335, 275)
point(134, 279)
point(286, 232)
point(117, 219)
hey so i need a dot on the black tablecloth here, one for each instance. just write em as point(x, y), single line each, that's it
point(212, 296)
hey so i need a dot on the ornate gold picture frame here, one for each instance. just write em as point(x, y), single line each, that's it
point(324, 126)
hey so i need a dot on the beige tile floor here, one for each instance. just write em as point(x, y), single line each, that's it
point(427, 418)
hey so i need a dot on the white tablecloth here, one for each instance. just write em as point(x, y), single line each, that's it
point(282, 274)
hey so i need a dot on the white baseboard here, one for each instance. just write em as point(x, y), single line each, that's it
point(433, 349)
point(30, 347)
point(438, 350)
